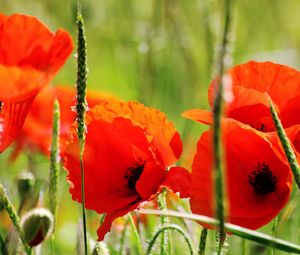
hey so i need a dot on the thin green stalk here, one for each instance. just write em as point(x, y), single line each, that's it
point(123, 237)
point(221, 242)
point(173, 228)
point(208, 38)
point(286, 145)
point(136, 234)
point(248, 234)
point(273, 231)
point(54, 165)
point(244, 248)
point(13, 216)
point(3, 249)
point(165, 235)
point(81, 106)
point(217, 115)
point(202, 242)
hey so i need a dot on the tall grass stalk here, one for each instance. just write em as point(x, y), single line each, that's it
point(291, 157)
point(54, 168)
point(217, 115)
point(81, 106)
point(54, 163)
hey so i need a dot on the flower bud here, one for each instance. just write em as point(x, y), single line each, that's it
point(100, 249)
point(37, 225)
point(25, 181)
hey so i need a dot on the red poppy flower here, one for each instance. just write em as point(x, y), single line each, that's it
point(252, 83)
point(257, 178)
point(37, 129)
point(128, 149)
point(30, 55)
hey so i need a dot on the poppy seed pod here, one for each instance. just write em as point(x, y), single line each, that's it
point(25, 182)
point(37, 225)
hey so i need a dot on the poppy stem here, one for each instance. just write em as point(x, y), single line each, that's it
point(202, 242)
point(217, 115)
point(291, 157)
point(83, 204)
point(81, 107)
point(165, 235)
point(221, 241)
point(5, 201)
point(54, 165)
point(136, 234)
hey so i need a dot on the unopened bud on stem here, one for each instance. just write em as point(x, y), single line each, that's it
point(37, 225)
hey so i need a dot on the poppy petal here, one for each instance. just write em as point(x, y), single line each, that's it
point(36, 57)
point(251, 107)
point(244, 159)
point(281, 82)
point(165, 137)
point(178, 179)
point(37, 129)
point(109, 218)
point(12, 117)
point(110, 149)
point(154, 172)
point(124, 152)
point(199, 115)
point(18, 84)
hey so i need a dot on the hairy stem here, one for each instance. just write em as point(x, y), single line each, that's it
point(5, 201)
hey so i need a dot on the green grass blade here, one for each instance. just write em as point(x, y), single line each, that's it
point(248, 234)
point(136, 234)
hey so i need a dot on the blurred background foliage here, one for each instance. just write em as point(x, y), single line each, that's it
point(161, 53)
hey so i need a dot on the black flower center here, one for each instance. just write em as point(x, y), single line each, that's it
point(133, 173)
point(262, 179)
point(0, 106)
point(262, 127)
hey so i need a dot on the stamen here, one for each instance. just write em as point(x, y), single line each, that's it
point(133, 173)
point(262, 179)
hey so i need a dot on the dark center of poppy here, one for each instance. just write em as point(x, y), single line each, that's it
point(133, 173)
point(262, 127)
point(0, 106)
point(262, 179)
